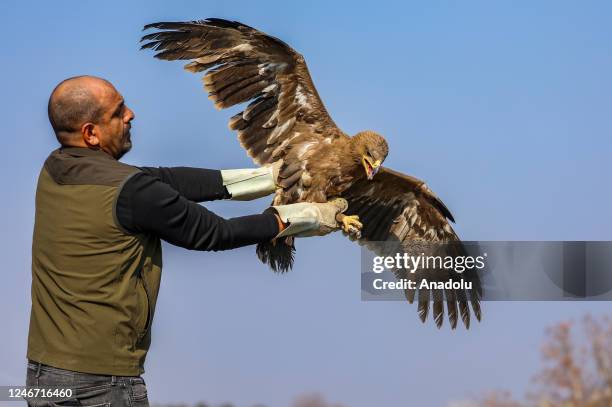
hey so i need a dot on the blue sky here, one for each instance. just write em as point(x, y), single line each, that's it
point(502, 107)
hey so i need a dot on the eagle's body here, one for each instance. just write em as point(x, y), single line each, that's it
point(286, 120)
point(325, 169)
point(319, 179)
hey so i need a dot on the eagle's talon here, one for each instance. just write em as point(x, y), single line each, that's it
point(351, 225)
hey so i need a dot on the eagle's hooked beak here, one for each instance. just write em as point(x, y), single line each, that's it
point(371, 168)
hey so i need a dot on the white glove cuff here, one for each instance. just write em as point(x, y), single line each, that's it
point(249, 183)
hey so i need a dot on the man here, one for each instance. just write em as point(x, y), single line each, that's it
point(96, 253)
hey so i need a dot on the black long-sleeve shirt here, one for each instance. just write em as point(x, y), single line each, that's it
point(162, 201)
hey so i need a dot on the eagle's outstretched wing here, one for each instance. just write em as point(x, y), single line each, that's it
point(244, 64)
point(400, 213)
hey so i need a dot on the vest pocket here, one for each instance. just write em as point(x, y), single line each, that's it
point(145, 309)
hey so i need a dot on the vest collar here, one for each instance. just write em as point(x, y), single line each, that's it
point(84, 152)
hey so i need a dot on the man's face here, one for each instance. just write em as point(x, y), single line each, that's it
point(115, 124)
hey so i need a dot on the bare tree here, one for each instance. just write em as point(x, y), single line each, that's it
point(577, 369)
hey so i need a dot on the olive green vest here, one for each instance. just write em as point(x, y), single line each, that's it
point(94, 285)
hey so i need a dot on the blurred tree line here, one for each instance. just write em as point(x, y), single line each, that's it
point(307, 400)
point(576, 371)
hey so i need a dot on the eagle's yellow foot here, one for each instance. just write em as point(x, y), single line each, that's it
point(350, 224)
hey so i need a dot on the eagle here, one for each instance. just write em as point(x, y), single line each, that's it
point(286, 122)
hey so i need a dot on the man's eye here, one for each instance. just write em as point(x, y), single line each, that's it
point(119, 110)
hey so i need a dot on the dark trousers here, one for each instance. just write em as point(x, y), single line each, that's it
point(87, 389)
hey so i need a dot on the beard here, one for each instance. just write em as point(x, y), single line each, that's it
point(127, 143)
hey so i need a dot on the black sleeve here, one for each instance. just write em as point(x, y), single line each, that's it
point(195, 184)
point(147, 205)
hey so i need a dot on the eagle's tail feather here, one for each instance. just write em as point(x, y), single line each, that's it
point(277, 255)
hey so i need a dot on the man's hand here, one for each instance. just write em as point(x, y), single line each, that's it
point(307, 219)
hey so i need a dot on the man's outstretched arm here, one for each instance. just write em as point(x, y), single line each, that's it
point(195, 184)
point(147, 205)
point(199, 184)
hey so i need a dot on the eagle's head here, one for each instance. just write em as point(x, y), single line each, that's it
point(371, 150)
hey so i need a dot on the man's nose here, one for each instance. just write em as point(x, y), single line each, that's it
point(129, 115)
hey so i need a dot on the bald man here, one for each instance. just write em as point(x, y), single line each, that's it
point(96, 252)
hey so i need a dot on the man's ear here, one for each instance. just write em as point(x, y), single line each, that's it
point(89, 131)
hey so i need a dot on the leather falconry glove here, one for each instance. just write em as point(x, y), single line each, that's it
point(251, 183)
point(307, 219)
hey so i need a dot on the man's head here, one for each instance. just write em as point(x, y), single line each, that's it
point(86, 111)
